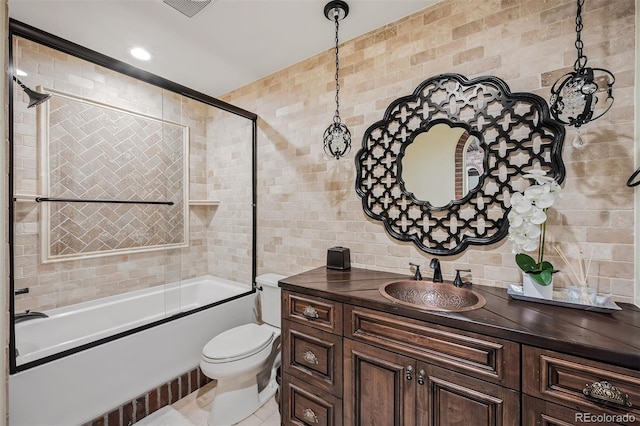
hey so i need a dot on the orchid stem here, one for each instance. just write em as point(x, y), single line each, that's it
point(541, 244)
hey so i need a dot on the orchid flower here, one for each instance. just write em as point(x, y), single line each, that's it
point(527, 223)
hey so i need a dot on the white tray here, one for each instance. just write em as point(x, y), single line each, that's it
point(602, 303)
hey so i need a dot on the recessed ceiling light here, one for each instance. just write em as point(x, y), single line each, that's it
point(21, 73)
point(140, 53)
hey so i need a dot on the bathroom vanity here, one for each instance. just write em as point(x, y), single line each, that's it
point(353, 357)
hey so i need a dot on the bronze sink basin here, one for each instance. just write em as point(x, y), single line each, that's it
point(430, 296)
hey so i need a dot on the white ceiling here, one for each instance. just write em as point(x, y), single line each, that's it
point(227, 45)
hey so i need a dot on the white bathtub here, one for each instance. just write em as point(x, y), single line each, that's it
point(77, 388)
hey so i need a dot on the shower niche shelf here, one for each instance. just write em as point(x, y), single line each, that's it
point(204, 202)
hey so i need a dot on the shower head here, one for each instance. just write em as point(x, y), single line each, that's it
point(35, 98)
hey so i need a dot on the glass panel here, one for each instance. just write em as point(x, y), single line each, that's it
point(101, 148)
point(230, 180)
point(124, 192)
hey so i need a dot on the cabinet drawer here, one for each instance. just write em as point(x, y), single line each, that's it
point(313, 355)
point(488, 358)
point(536, 412)
point(314, 311)
point(561, 378)
point(305, 405)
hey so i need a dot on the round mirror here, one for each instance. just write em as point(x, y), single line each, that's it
point(442, 164)
point(439, 168)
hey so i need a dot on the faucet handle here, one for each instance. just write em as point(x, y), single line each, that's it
point(418, 275)
point(458, 281)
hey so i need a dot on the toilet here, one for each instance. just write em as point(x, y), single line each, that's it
point(244, 360)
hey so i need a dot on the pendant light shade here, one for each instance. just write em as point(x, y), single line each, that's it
point(35, 98)
point(337, 138)
point(584, 94)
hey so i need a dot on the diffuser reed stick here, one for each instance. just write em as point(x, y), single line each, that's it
point(581, 279)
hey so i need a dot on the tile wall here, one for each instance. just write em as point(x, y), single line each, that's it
point(212, 173)
point(307, 203)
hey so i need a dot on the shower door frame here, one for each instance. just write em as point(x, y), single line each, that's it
point(20, 29)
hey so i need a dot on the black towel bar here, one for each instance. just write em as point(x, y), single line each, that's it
point(73, 200)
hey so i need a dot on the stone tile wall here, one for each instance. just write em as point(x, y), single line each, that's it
point(68, 282)
point(307, 203)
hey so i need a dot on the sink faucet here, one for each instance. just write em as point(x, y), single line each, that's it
point(27, 315)
point(437, 272)
point(418, 275)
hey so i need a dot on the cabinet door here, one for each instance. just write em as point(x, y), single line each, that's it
point(447, 398)
point(379, 386)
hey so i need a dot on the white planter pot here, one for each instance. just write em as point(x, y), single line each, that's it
point(533, 289)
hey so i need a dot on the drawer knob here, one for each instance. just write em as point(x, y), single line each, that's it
point(605, 392)
point(409, 372)
point(421, 375)
point(310, 312)
point(310, 357)
point(309, 415)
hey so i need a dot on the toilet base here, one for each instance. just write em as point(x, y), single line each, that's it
point(235, 401)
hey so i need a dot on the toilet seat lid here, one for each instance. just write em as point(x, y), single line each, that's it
point(238, 343)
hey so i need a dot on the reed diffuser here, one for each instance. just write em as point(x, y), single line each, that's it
point(580, 275)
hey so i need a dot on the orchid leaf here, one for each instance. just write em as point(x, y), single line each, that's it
point(526, 262)
point(546, 266)
point(541, 273)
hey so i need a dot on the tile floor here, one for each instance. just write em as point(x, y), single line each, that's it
point(193, 410)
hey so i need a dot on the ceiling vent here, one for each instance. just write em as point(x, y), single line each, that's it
point(188, 7)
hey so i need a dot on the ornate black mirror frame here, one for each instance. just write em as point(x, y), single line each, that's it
point(517, 134)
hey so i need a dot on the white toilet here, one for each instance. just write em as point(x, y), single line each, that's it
point(244, 360)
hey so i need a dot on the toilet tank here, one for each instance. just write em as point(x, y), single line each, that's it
point(270, 298)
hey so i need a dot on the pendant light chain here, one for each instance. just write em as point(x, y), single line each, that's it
point(581, 62)
point(337, 137)
point(336, 117)
point(584, 94)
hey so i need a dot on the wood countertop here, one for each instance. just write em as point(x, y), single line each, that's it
point(612, 338)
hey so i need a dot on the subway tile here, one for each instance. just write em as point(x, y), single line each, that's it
point(114, 417)
point(468, 29)
point(153, 400)
point(127, 414)
point(184, 385)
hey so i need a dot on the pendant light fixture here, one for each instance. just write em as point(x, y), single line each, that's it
point(576, 95)
point(35, 98)
point(337, 138)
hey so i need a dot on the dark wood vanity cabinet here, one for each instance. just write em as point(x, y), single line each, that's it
point(405, 372)
point(385, 388)
point(384, 369)
point(346, 364)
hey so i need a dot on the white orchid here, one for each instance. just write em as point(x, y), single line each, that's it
point(527, 223)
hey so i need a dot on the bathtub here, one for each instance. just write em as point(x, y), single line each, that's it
point(76, 388)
